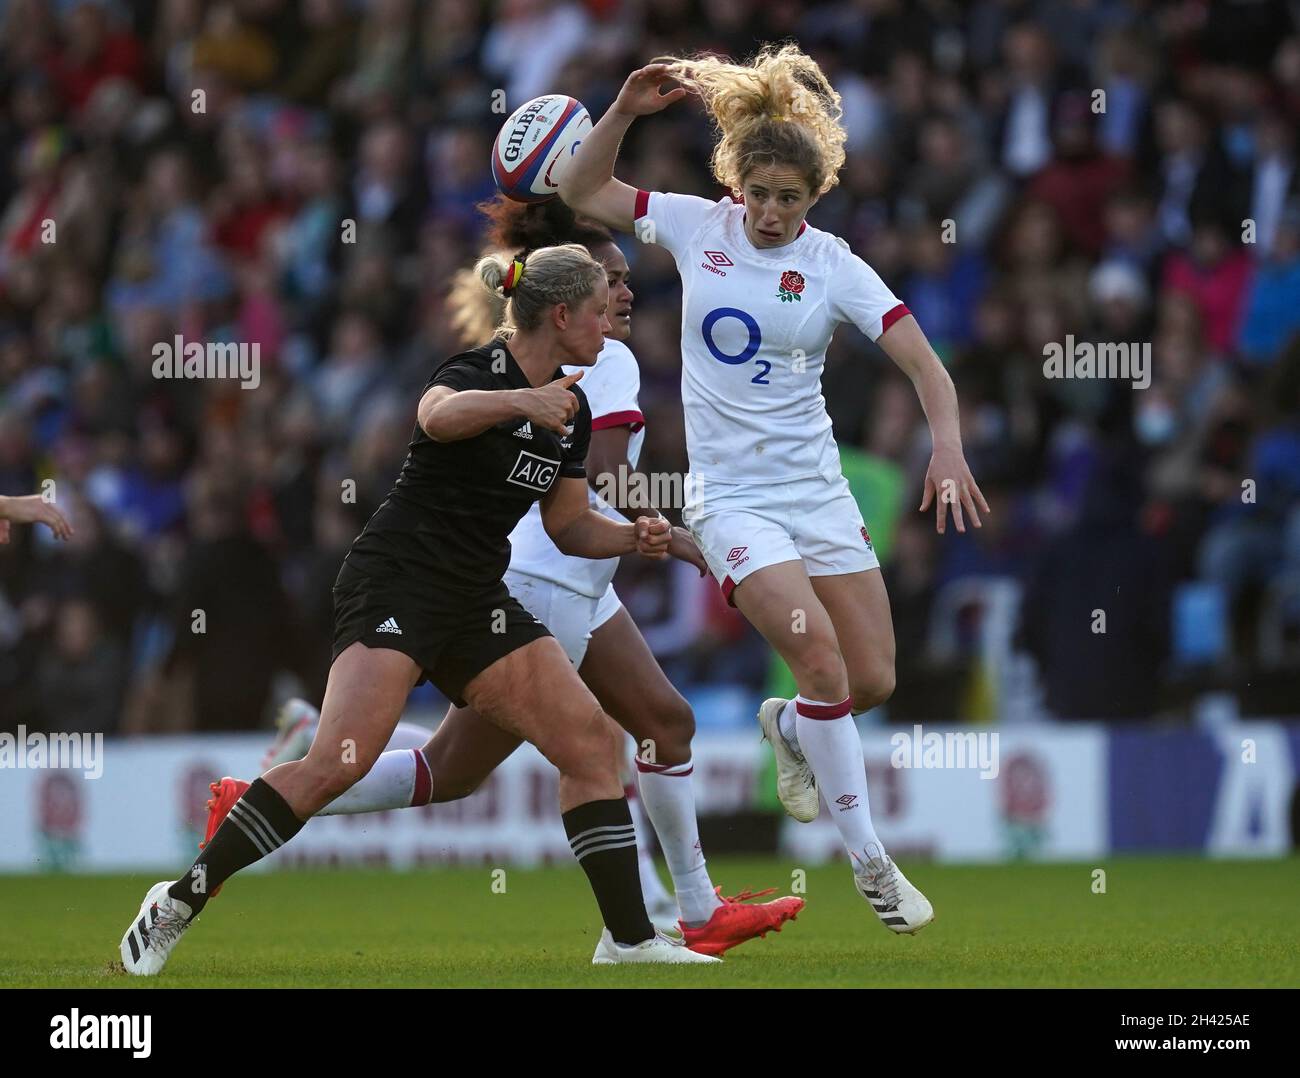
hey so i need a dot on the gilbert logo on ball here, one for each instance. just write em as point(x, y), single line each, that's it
point(535, 144)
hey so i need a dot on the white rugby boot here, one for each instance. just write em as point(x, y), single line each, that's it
point(796, 785)
point(900, 906)
point(658, 948)
point(295, 725)
point(158, 926)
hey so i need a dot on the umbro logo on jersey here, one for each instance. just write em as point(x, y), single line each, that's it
point(716, 259)
point(533, 472)
point(526, 431)
point(736, 552)
point(389, 626)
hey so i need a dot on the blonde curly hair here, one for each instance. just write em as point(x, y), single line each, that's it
point(778, 108)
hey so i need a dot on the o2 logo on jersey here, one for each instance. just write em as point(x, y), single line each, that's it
point(533, 472)
point(744, 355)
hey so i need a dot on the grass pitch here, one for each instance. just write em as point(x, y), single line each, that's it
point(1161, 923)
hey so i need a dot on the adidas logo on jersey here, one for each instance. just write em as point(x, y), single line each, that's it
point(389, 626)
point(526, 431)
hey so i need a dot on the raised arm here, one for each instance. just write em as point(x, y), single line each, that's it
point(588, 186)
point(948, 476)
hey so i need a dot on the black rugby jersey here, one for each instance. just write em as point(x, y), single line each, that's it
point(451, 511)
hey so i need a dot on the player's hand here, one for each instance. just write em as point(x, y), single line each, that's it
point(640, 95)
point(653, 536)
point(682, 546)
point(552, 406)
point(33, 509)
point(948, 482)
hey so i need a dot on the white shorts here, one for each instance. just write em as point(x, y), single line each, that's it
point(571, 616)
point(741, 527)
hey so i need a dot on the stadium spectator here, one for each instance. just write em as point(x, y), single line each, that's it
point(192, 169)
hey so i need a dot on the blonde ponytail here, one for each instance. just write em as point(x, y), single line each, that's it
point(565, 273)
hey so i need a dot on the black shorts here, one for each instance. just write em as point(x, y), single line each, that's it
point(453, 635)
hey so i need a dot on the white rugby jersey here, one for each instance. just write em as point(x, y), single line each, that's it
point(612, 385)
point(755, 326)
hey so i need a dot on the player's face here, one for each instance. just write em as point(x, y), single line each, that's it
point(777, 198)
point(620, 295)
point(588, 324)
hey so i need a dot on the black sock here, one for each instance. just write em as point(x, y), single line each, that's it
point(259, 823)
point(604, 842)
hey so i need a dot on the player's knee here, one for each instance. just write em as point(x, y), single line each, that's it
point(819, 669)
point(873, 687)
point(670, 729)
point(589, 746)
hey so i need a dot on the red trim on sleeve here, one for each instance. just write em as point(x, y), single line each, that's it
point(893, 316)
point(635, 420)
point(642, 204)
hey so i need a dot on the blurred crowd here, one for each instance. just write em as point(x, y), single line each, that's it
point(303, 177)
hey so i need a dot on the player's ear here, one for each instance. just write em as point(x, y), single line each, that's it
point(560, 316)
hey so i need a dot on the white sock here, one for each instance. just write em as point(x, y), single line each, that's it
point(829, 740)
point(399, 779)
point(407, 735)
point(787, 725)
point(669, 800)
point(652, 887)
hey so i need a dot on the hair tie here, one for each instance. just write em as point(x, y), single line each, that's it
point(513, 276)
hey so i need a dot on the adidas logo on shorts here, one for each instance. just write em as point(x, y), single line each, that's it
point(389, 626)
point(526, 431)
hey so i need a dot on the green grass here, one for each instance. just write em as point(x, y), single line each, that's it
point(1161, 922)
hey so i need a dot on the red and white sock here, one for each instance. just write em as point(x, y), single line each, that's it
point(669, 799)
point(829, 740)
point(652, 887)
point(399, 779)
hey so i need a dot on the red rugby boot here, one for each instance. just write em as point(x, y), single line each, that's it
point(224, 795)
point(734, 922)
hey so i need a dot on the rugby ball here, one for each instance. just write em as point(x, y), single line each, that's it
point(535, 144)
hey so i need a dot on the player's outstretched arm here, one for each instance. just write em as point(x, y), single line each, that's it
point(32, 509)
point(581, 532)
point(588, 186)
point(948, 480)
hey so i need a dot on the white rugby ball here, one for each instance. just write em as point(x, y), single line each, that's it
point(534, 145)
